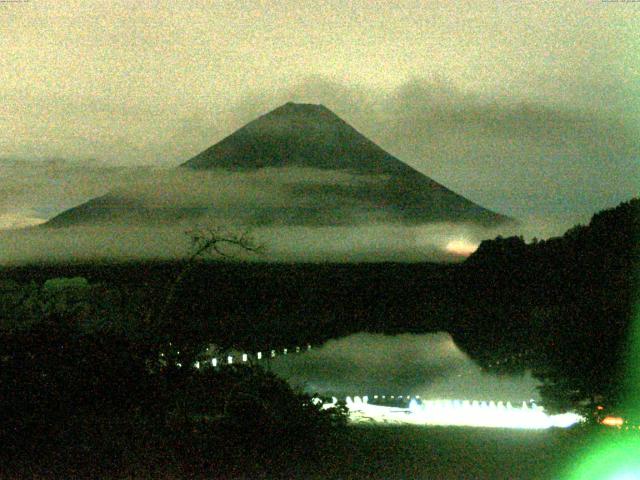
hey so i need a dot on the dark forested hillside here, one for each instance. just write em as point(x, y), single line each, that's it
point(562, 306)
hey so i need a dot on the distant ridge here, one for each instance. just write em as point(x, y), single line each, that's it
point(310, 136)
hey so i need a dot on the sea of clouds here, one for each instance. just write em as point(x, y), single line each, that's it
point(315, 226)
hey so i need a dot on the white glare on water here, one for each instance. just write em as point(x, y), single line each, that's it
point(458, 413)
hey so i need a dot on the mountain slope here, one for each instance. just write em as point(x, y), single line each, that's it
point(346, 179)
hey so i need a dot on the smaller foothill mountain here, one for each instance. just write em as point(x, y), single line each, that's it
point(306, 166)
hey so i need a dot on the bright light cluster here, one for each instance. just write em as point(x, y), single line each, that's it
point(461, 247)
point(458, 413)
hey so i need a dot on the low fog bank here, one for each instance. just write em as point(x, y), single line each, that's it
point(294, 212)
point(117, 242)
point(32, 191)
point(439, 242)
point(429, 365)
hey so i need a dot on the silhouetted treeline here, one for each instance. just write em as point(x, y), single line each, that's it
point(259, 305)
point(564, 304)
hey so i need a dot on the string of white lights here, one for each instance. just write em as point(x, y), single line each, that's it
point(467, 413)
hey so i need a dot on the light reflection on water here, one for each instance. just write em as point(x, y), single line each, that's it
point(429, 365)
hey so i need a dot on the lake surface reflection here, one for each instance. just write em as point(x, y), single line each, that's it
point(429, 365)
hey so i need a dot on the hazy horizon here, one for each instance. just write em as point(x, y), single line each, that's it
point(529, 110)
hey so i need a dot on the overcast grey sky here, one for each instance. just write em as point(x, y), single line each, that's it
point(528, 108)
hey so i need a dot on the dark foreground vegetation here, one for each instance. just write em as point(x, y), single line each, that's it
point(81, 397)
point(89, 380)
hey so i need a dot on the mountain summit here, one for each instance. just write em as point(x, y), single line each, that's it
point(304, 135)
point(327, 172)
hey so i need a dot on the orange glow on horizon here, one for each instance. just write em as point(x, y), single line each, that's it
point(461, 247)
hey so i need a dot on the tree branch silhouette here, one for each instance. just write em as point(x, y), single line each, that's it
point(205, 240)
